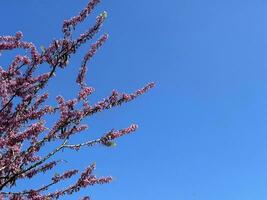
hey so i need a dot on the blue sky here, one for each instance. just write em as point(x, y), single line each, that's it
point(203, 130)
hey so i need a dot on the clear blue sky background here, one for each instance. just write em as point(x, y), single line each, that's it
point(203, 130)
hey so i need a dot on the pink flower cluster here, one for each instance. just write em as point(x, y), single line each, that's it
point(71, 23)
point(65, 175)
point(87, 57)
point(86, 179)
point(24, 110)
point(106, 139)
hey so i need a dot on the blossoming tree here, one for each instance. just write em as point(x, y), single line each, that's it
point(23, 130)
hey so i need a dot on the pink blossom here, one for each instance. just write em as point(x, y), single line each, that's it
point(25, 107)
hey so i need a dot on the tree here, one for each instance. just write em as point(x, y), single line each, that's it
point(23, 130)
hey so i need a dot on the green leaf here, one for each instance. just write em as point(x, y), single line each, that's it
point(110, 144)
point(43, 48)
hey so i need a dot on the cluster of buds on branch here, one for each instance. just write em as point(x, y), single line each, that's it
point(23, 130)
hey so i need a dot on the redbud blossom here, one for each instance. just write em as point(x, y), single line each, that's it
point(30, 120)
